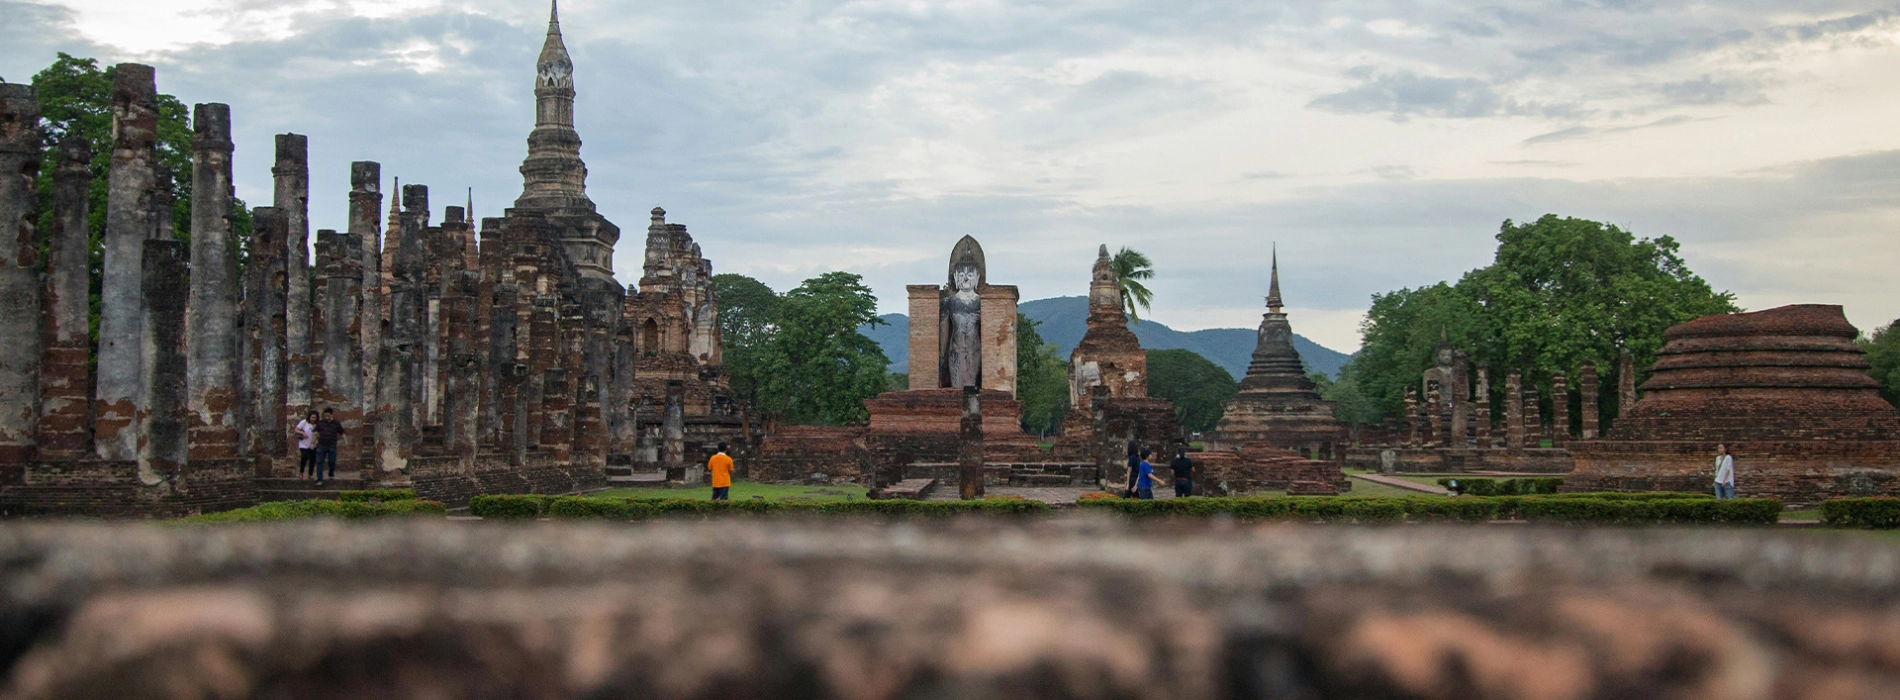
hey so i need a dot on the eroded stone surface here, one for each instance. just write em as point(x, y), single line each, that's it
point(1070, 607)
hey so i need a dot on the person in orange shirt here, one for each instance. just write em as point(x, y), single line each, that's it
point(721, 467)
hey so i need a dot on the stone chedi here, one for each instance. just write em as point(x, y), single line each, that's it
point(460, 361)
point(1108, 385)
point(1786, 389)
point(1277, 404)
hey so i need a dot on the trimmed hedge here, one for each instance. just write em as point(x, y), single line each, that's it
point(1579, 508)
point(294, 510)
point(377, 494)
point(1507, 487)
point(1879, 513)
point(531, 506)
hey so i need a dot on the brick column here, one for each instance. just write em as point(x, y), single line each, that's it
point(1483, 428)
point(366, 203)
point(1533, 418)
point(1589, 405)
point(970, 445)
point(461, 400)
point(925, 308)
point(1625, 384)
point(211, 317)
point(65, 428)
point(130, 221)
point(340, 317)
point(20, 285)
point(263, 351)
point(1411, 416)
point(162, 430)
point(397, 382)
point(1514, 411)
point(673, 434)
point(1559, 410)
point(291, 177)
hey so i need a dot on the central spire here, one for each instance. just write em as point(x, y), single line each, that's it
point(553, 176)
point(1273, 288)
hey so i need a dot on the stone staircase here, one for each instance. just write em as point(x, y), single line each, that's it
point(624, 476)
point(912, 489)
point(299, 489)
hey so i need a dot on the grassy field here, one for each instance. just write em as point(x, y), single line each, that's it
point(746, 490)
point(1361, 487)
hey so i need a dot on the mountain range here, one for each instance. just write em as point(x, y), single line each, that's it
point(1063, 321)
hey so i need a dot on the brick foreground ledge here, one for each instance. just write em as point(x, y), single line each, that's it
point(1071, 607)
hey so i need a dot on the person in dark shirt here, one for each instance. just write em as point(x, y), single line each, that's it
point(1183, 469)
point(1134, 464)
point(1145, 477)
point(328, 431)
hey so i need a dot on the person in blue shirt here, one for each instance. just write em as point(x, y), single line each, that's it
point(1145, 477)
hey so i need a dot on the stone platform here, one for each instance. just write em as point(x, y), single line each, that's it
point(1067, 607)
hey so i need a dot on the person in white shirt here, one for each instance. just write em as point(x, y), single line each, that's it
point(1724, 473)
point(307, 444)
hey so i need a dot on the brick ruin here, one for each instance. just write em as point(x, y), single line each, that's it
point(1109, 405)
point(1785, 389)
point(461, 361)
point(1448, 425)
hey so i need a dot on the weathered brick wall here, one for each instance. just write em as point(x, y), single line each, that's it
point(1549, 460)
point(99, 488)
point(796, 452)
point(454, 480)
point(1261, 467)
point(1794, 471)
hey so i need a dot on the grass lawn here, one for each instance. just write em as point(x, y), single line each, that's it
point(746, 490)
point(1808, 514)
point(1361, 487)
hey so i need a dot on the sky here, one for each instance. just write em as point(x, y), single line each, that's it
point(1379, 144)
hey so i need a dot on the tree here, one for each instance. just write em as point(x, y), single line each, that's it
point(1560, 291)
point(1196, 385)
point(748, 318)
point(1883, 353)
point(1042, 379)
point(1350, 406)
point(818, 369)
point(1131, 267)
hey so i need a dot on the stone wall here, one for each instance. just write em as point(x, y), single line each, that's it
point(1541, 460)
point(99, 488)
point(966, 609)
point(1794, 471)
point(1261, 467)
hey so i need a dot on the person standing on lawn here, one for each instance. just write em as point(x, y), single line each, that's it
point(328, 431)
point(1145, 477)
point(306, 444)
point(1183, 469)
point(1724, 473)
point(720, 466)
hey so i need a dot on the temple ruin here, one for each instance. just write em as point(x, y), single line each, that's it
point(1785, 389)
point(461, 359)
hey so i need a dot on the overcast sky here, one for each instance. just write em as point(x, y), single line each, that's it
point(1380, 143)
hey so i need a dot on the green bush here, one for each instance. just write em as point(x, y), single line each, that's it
point(524, 506)
point(1881, 513)
point(1508, 487)
point(1459, 509)
point(1742, 511)
point(294, 510)
point(1324, 509)
point(378, 495)
point(571, 507)
point(1576, 508)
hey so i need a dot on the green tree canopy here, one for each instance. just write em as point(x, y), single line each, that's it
point(1350, 405)
point(1131, 268)
point(1883, 352)
point(75, 97)
point(1042, 379)
point(748, 317)
point(1560, 291)
point(817, 368)
point(1196, 385)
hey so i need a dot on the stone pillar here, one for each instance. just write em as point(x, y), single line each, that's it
point(366, 204)
point(1411, 416)
point(265, 430)
point(622, 428)
point(130, 221)
point(340, 280)
point(65, 429)
point(1458, 434)
point(1625, 384)
point(1533, 418)
point(211, 316)
point(970, 446)
point(673, 434)
point(291, 176)
point(1559, 410)
point(541, 329)
point(462, 395)
point(556, 428)
point(398, 383)
point(1433, 417)
point(20, 285)
point(498, 408)
point(1514, 411)
point(162, 424)
point(1483, 428)
point(926, 302)
point(1589, 405)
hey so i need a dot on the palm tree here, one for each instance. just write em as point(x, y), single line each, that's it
point(1131, 267)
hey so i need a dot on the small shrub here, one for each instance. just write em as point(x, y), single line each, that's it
point(377, 495)
point(1879, 513)
point(1508, 487)
point(1456, 509)
point(580, 507)
point(508, 506)
point(295, 510)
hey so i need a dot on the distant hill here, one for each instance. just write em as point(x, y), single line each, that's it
point(1063, 320)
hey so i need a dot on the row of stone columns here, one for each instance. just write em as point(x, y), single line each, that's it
point(1433, 424)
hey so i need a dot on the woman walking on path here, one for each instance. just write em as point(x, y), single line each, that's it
point(1724, 473)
